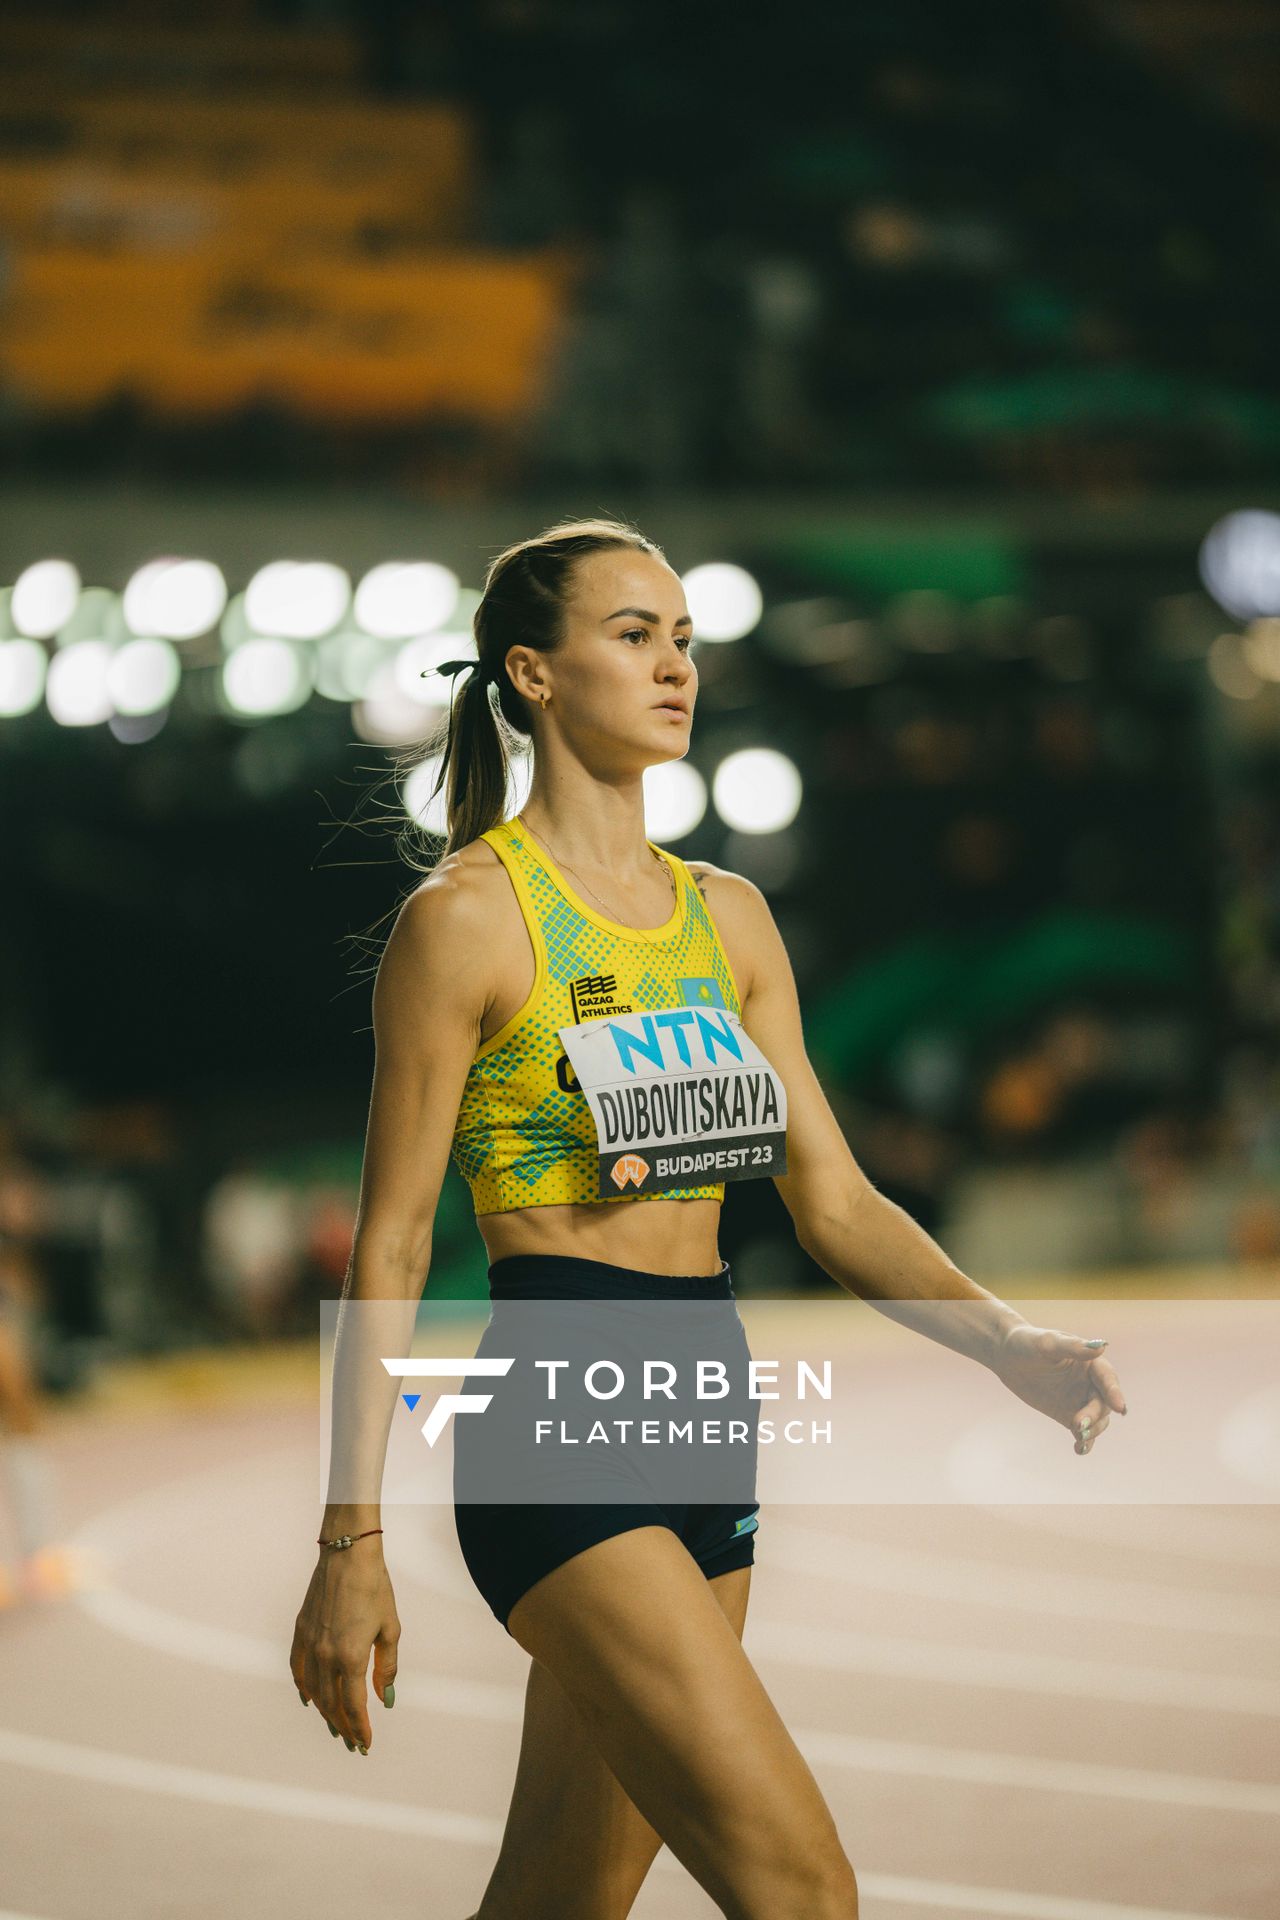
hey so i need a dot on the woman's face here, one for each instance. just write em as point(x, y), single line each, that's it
point(626, 652)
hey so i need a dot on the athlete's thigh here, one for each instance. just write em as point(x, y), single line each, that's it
point(657, 1672)
point(574, 1839)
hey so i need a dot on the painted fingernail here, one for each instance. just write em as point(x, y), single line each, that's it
point(361, 1748)
point(1095, 1343)
point(302, 1696)
point(389, 1694)
point(333, 1730)
point(351, 1745)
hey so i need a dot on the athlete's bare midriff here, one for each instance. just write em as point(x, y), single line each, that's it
point(669, 1236)
point(655, 1236)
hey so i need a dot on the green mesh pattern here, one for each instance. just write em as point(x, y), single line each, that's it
point(520, 1138)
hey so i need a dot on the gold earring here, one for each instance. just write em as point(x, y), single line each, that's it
point(545, 697)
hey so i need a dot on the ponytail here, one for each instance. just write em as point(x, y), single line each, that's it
point(526, 590)
point(489, 723)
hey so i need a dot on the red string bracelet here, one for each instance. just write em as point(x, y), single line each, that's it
point(345, 1539)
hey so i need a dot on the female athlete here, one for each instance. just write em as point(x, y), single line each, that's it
point(45, 1567)
point(645, 1721)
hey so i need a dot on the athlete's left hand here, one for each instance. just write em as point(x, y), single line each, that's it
point(1061, 1375)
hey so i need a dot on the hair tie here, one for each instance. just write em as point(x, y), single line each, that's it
point(450, 667)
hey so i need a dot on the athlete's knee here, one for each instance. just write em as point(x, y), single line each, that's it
point(819, 1890)
point(831, 1896)
point(838, 1899)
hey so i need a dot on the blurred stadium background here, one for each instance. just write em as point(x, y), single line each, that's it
point(936, 344)
point(937, 347)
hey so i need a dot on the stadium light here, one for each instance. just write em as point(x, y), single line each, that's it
point(75, 689)
point(675, 800)
point(44, 598)
point(724, 600)
point(22, 676)
point(1229, 670)
point(401, 598)
point(387, 715)
point(297, 599)
point(1240, 563)
point(416, 659)
point(757, 790)
point(143, 675)
point(417, 798)
point(265, 676)
point(346, 663)
point(175, 599)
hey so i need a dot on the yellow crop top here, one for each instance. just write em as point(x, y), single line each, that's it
point(524, 1135)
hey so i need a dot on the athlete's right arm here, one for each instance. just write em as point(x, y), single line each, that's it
point(433, 988)
point(429, 1001)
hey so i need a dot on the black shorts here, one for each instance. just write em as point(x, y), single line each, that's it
point(508, 1548)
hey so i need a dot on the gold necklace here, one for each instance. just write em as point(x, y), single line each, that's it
point(640, 932)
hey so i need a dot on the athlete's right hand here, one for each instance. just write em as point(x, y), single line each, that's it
point(349, 1607)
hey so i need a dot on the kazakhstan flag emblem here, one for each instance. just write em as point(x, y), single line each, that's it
point(700, 990)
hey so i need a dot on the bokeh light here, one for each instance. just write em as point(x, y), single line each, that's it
point(724, 601)
point(675, 800)
point(143, 676)
point(1240, 563)
point(22, 675)
point(175, 599)
point(757, 790)
point(417, 798)
point(401, 598)
point(44, 598)
point(76, 691)
point(1229, 670)
point(389, 716)
point(297, 599)
point(1260, 647)
point(266, 676)
point(415, 663)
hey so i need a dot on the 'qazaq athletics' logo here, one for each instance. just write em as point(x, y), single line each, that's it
point(438, 1418)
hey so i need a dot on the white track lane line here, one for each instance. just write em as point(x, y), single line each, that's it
point(979, 1766)
point(1017, 1772)
point(255, 1658)
point(811, 1549)
point(208, 1788)
point(829, 1649)
point(1101, 1530)
point(976, 1766)
point(998, 1903)
point(202, 1784)
point(842, 1650)
point(833, 1649)
point(1249, 1439)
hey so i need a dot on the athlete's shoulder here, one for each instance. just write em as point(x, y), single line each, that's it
point(740, 914)
point(721, 888)
point(459, 900)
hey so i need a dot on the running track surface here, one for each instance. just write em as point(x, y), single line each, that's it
point(1014, 1712)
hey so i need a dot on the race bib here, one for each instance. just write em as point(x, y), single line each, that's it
point(680, 1097)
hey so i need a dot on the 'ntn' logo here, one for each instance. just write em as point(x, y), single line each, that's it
point(654, 1037)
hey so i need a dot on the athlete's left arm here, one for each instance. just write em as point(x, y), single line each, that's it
point(864, 1240)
